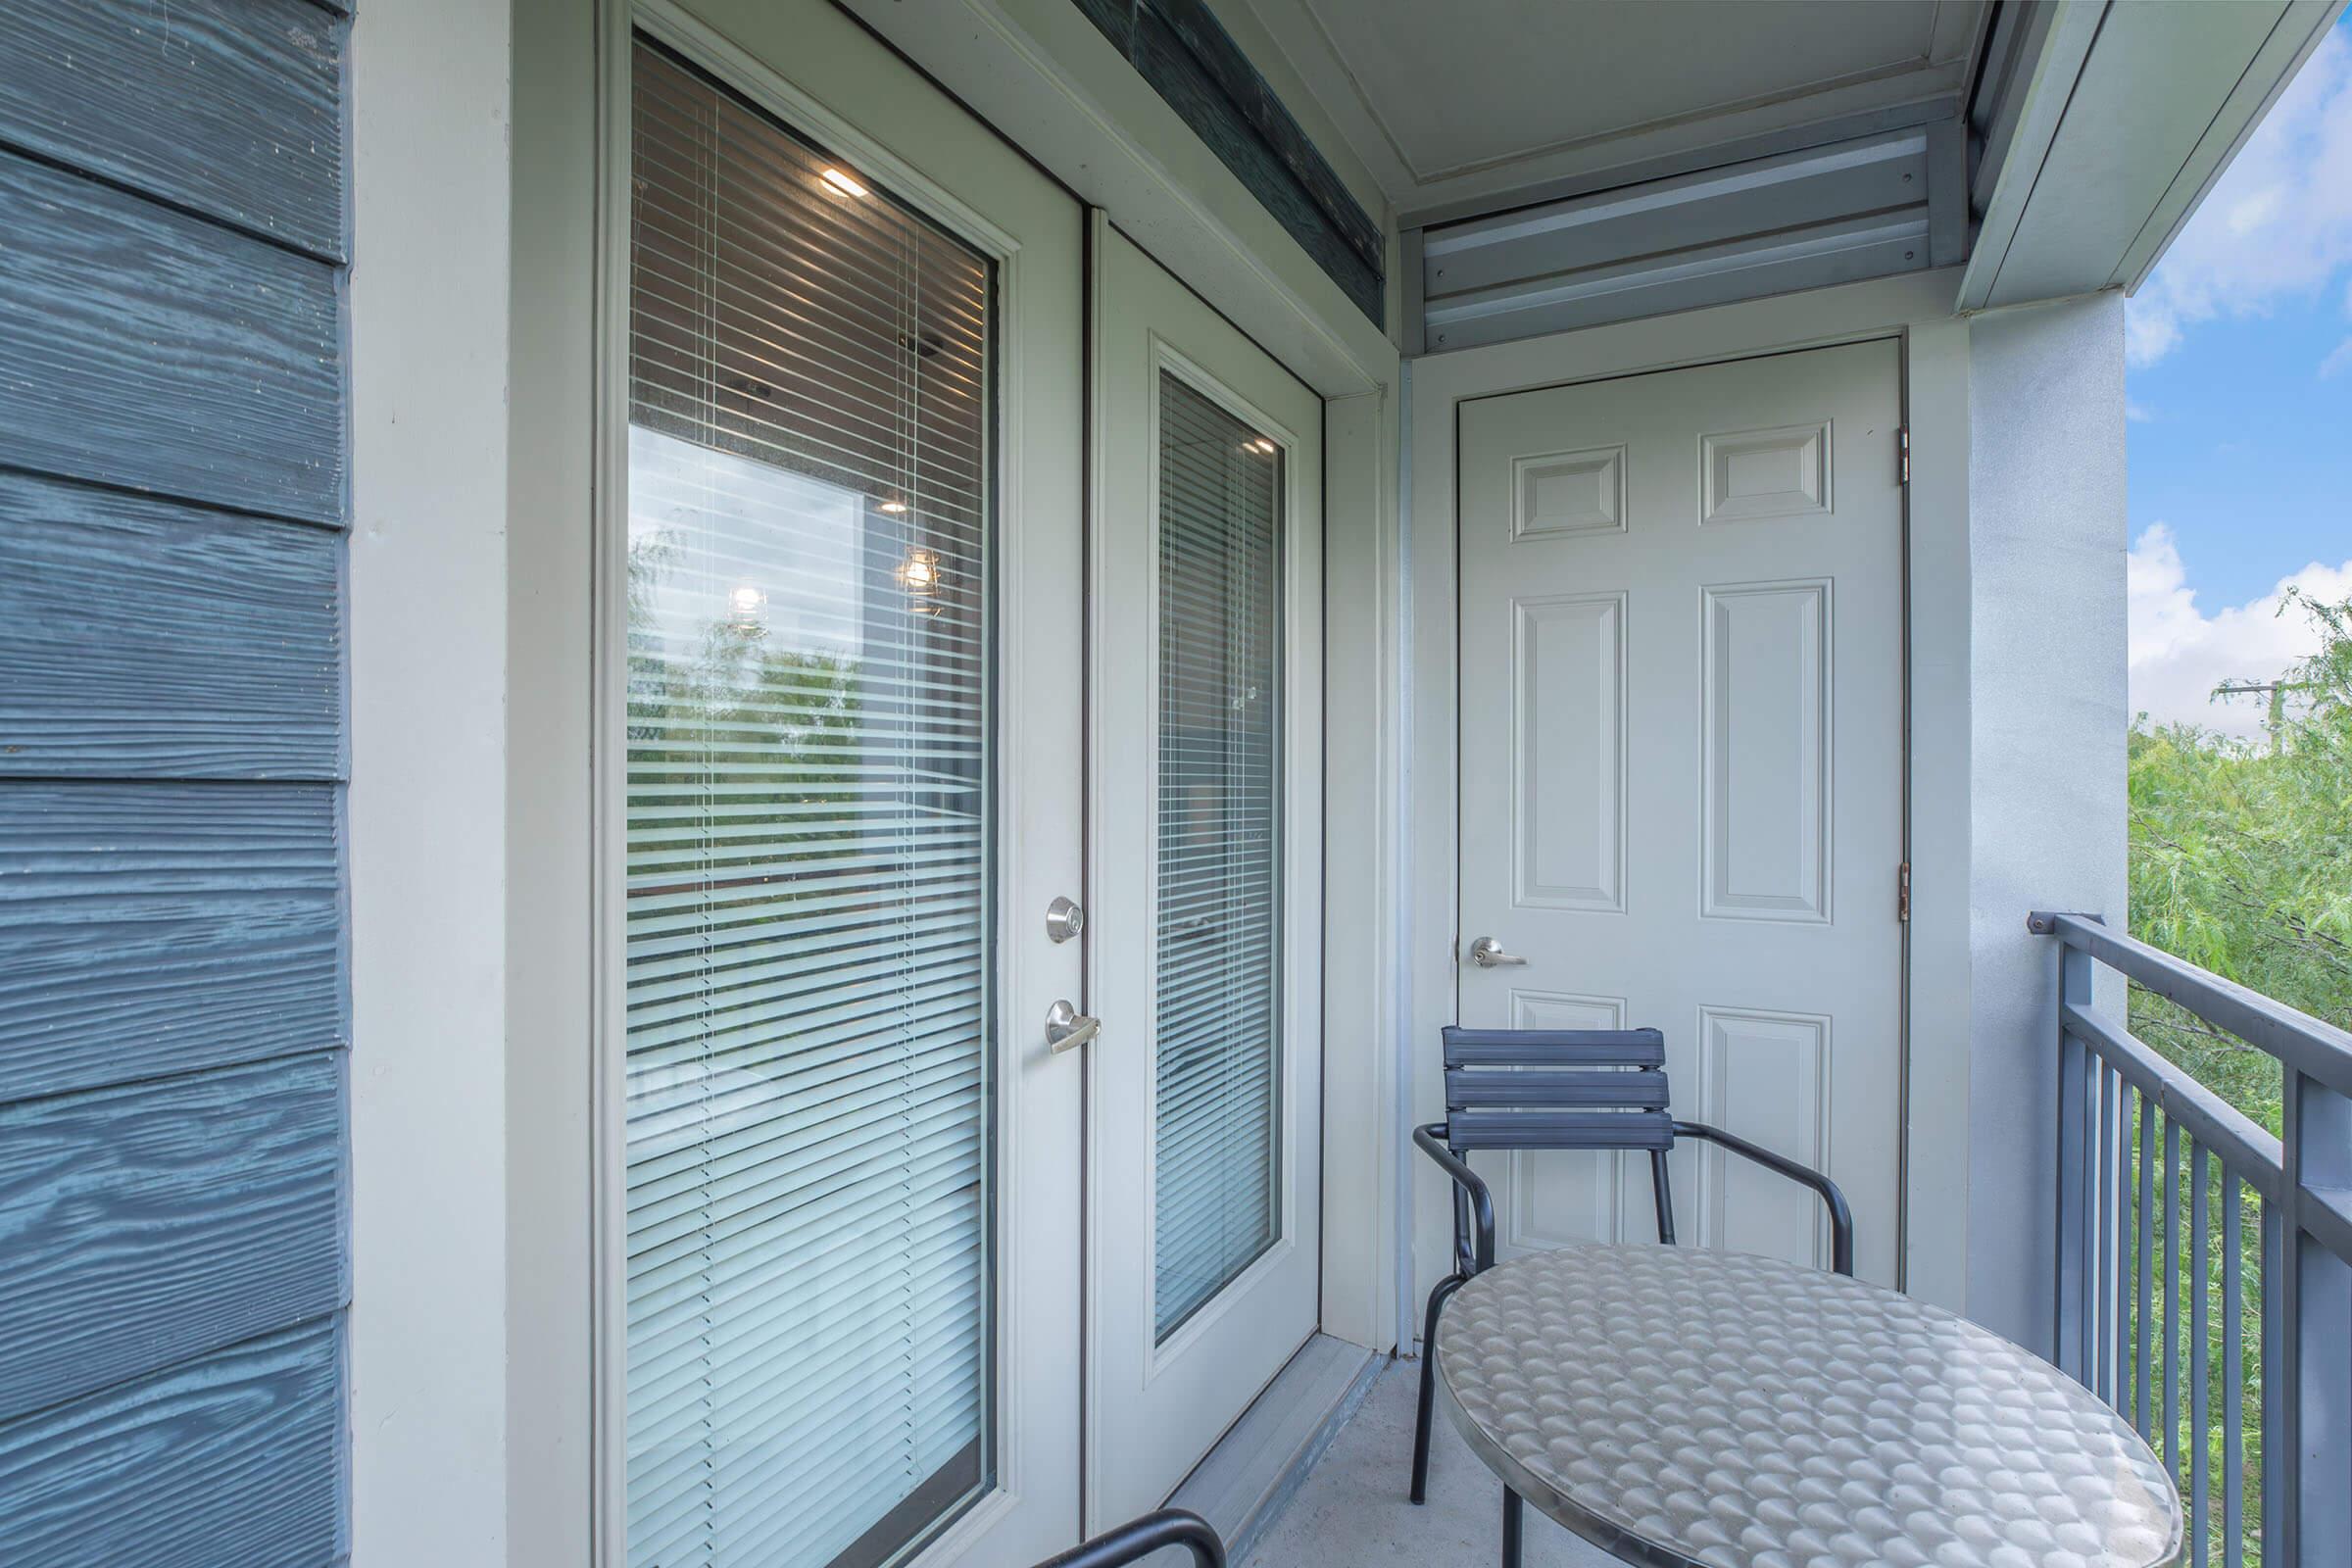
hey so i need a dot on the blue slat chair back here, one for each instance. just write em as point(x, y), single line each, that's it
point(1556, 1089)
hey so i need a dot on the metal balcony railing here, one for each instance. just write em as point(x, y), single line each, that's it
point(2180, 1223)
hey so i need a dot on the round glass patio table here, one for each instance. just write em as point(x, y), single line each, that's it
point(1678, 1406)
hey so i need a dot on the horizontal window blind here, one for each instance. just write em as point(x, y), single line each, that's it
point(809, 845)
point(1217, 1189)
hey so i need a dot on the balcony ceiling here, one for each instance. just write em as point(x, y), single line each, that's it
point(1469, 98)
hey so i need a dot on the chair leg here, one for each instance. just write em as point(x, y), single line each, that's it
point(1514, 1510)
point(1429, 1382)
point(1664, 1195)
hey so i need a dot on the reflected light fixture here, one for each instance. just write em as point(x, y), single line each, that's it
point(894, 505)
point(842, 182)
point(746, 601)
point(1259, 445)
point(920, 575)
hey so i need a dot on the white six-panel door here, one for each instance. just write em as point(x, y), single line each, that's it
point(1682, 758)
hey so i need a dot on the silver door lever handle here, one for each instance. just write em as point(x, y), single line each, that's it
point(1488, 953)
point(1066, 1028)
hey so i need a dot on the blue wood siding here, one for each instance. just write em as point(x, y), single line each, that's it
point(154, 1223)
point(198, 644)
point(154, 928)
point(174, 1254)
point(235, 1460)
point(148, 348)
point(228, 108)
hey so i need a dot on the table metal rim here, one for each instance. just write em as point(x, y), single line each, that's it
point(1621, 1539)
point(1617, 1540)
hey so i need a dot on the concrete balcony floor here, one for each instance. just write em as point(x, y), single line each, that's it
point(1352, 1512)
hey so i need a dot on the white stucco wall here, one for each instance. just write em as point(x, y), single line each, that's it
point(2047, 721)
point(427, 802)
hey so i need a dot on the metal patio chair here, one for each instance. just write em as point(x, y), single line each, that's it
point(1140, 1537)
point(1565, 1089)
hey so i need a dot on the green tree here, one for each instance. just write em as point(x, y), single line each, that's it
point(2242, 862)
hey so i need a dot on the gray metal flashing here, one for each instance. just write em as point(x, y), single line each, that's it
point(1844, 251)
point(1834, 212)
point(2098, 127)
point(2300, 29)
point(2021, 123)
point(1764, 144)
point(1412, 281)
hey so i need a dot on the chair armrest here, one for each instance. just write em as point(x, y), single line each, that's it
point(1140, 1537)
point(1432, 1139)
point(1842, 1218)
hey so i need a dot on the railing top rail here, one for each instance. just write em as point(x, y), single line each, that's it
point(2311, 1046)
point(2243, 1146)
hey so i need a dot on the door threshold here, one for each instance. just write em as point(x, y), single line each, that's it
point(1244, 1482)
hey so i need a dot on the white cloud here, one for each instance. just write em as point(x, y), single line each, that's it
point(2339, 360)
point(2179, 654)
point(2279, 222)
point(2137, 412)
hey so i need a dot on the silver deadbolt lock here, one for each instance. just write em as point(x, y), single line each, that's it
point(1064, 919)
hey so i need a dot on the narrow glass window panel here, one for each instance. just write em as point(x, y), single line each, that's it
point(809, 841)
point(1217, 1175)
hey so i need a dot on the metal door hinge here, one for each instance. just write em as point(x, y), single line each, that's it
point(1902, 453)
point(1902, 890)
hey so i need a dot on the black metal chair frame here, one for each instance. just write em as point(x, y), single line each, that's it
point(1139, 1537)
point(1563, 1089)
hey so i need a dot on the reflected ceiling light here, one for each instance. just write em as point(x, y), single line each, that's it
point(1259, 445)
point(842, 182)
point(746, 601)
point(920, 572)
point(894, 505)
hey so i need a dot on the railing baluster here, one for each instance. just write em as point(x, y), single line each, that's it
point(2171, 1449)
point(2318, 1286)
point(2233, 1375)
point(2071, 1328)
point(2126, 1207)
point(2200, 1360)
point(2274, 1338)
point(2146, 1272)
point(2103, 1259)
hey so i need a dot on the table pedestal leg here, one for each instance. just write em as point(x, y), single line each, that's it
point(1513, 1509)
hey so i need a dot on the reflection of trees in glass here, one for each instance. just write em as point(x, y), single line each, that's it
point(2242, 862)
point(766, 737)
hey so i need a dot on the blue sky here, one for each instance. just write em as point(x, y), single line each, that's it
point(2239, 380)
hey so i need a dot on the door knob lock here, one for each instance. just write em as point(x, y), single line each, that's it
point(1066, 1028)
point(1488, 953)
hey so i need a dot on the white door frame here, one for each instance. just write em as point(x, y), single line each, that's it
point(1916, 309)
